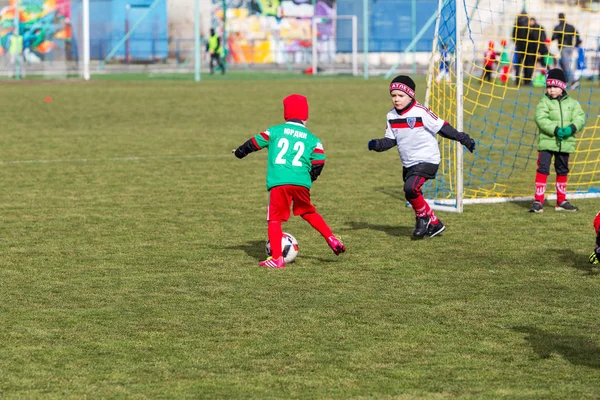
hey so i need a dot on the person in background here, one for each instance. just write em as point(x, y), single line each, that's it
point(445, 60)
point(489, 61)
point(214, 48)
point(581, 66)
point(504, 62)
point(548, 60)
point(535, 46)
point(520, 34)
point(567, 37)
point(15, 49)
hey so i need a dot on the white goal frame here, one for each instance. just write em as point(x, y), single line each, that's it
point(457, 202)
point(354, 54)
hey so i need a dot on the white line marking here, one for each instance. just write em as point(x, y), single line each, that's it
point(112, 159)
point(139, 158)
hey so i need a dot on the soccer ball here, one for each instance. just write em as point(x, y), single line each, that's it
point(289, 247)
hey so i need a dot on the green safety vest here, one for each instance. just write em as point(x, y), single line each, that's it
point(16, 44)
point(213, 44)
point(269, 7)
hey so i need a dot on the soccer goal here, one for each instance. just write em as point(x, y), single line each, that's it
point(496, 105)
point(335, 44)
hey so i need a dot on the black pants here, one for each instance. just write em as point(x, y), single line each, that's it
point(414, 177)
point(528, 67)
point(561, 162)
point(487, 73)
point(216, 57)
point(517, 62)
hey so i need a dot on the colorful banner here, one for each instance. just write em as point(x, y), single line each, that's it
point(271, 31)
point(45, 26)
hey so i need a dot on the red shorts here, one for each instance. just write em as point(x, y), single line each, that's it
point(597, 223)
point(281, 198)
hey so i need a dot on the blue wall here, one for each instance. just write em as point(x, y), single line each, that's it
point(390, 24)
point(107, 27)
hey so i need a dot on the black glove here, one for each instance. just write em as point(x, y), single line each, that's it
point(239, 153)
point(469, 144)
point(372, 144)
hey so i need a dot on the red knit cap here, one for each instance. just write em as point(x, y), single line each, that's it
point(295, 106)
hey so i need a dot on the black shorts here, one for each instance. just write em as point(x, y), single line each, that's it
point(426, 170)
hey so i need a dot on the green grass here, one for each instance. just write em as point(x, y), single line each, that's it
point(131, 236)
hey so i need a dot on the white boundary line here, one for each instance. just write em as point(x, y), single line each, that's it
point(448, 205)
point(143, 158)
point(111, 159)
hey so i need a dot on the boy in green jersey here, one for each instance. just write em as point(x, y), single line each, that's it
point(295, 160)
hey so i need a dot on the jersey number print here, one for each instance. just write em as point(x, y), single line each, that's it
point(284, 145)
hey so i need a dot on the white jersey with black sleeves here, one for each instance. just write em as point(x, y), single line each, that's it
point(415, 132)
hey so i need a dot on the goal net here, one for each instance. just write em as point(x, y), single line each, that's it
point(495, 104)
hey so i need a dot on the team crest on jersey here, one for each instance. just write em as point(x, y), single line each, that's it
point(411, 121)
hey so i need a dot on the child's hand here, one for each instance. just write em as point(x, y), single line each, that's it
point(468, 142)
point(470, 145)
point(564, 133)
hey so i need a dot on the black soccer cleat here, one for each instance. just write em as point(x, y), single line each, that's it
point(421, 227)
point(536, 207)
point(566, 206)
point(435, 229)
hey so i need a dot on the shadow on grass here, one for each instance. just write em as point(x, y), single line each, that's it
point(577, 350)
point(577, 261)
point(395, 192)
point(392, 230)
point(526, 204)
point(254, 248)
point(321, 259)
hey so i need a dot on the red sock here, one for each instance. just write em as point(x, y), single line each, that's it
point(316, 221)
point(504, 77)
point(420, 206)
point(432, 218)
point(540, 186)
point(561, 188)
point(275, 234)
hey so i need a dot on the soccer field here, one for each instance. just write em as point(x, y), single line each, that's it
point(131, 237)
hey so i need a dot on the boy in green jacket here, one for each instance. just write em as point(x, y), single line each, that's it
point(558, 117)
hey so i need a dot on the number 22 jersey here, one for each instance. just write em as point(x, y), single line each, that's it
point(292, 151)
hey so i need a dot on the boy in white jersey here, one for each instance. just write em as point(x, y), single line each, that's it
point(412, 128)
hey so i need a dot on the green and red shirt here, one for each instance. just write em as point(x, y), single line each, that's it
point(292, 152)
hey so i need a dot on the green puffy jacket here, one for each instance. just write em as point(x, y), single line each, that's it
point(552, 114)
